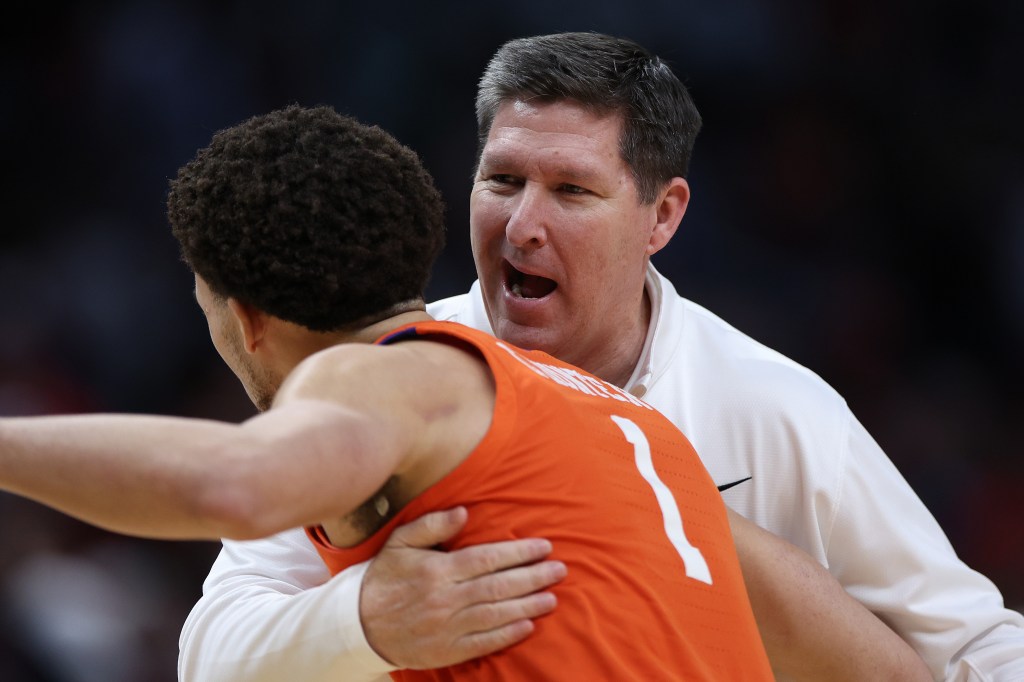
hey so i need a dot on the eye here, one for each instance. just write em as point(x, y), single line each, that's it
point(502, 183)
point(572, 189)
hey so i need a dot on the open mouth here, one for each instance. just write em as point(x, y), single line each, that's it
point(527, 286)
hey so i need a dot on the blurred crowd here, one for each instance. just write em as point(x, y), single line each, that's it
point(858, 204)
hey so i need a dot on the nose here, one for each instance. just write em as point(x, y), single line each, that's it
point(526, 227)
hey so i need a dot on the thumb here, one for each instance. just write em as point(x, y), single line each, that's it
point(429, 529)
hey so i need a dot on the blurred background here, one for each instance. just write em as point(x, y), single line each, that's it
point(858, 204)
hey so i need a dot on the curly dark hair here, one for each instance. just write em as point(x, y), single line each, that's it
point(607, 74)
point(310, 216)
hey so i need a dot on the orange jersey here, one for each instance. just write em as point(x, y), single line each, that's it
point(654, 589)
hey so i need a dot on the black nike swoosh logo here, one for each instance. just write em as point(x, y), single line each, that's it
point(723, 488)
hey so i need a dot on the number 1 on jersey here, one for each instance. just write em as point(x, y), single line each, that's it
point(693, 561)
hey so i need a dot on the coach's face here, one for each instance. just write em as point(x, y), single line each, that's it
point(226, 334)
point(560, 238)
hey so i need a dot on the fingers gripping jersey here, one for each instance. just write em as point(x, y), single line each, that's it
point(654, 589)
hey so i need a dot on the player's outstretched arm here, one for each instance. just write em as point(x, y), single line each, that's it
point(812, 629)
point(166, 477)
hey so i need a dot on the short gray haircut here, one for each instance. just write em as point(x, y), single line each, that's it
point(607, 75)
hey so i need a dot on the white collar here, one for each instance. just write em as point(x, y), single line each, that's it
point(639, 382)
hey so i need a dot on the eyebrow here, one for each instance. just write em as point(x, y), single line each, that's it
point(499, 161)
point(494, 159)
point(575, 175)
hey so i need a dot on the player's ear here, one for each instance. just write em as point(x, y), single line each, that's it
point(251, 321)
point(669, 206)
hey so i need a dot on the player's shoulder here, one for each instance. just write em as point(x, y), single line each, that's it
point(342, 357)
point(421, 373)
point(338, 370)
point(368, 358)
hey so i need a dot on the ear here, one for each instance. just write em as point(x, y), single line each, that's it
point(669, 209)
point(251, 321)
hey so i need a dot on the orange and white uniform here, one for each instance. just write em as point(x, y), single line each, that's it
point(654, 589)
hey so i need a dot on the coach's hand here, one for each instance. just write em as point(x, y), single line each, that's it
point(423, 608)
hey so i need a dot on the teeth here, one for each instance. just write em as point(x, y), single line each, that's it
point(517, 289)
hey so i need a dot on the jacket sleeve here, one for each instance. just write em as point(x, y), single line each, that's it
point(889, 552)
point(271, 612)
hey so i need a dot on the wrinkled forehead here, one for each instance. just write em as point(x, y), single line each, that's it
point(560, 133)
point(554, 113)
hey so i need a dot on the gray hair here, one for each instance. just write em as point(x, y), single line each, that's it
point(607, 75)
